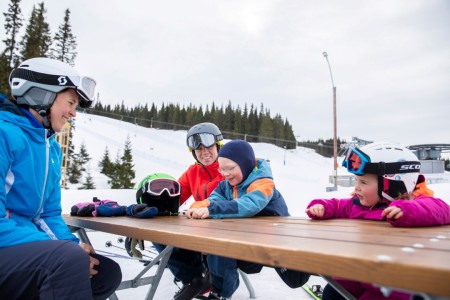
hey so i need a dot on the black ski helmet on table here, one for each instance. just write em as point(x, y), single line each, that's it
point(206, 134)
point(159, 190)
point(36, 81)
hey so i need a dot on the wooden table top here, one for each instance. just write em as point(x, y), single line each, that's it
point(415, 259)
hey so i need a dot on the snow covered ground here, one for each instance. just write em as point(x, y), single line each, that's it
point(301, 175)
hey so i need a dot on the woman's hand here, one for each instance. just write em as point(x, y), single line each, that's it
point(197, 213)
point(92, 261)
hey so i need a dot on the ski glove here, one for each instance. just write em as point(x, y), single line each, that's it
point(108, 208)
point(103, 208)
point(84, 209)
point(141, 211)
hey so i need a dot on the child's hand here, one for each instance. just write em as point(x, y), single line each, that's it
point(198, 213)
point(316, 210)
point(392, 213)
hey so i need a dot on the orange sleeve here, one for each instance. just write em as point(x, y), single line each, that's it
point(264, 185)
point(199, 204)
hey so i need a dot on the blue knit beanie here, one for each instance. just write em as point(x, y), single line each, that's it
point(241, 153)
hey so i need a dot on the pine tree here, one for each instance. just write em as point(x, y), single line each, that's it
point(126, 172)
point(5, 70)
point(106, 165)
point(114, 178)
point(65, 44)
point(13, 23)
point(78, 164)
point(37, 39)
point(228, 118)
point(88, 184)
point(83, 157)
point(266, 128)
point(74, 170)
point(9, 57)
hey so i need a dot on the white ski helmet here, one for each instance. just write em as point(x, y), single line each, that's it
point(398, 167)
point(36, 82)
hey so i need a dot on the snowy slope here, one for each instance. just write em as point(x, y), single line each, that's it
point(300, 175)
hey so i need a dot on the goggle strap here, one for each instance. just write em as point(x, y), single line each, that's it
point(382, 168)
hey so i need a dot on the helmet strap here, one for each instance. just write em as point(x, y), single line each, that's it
point(380, 186)
point(195, 156)
point(47, 123)
point(45, 119)
point(41, 101)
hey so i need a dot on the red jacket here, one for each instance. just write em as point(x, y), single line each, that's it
point(199, 181)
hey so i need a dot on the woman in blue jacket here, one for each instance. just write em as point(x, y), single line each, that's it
point(40, 257)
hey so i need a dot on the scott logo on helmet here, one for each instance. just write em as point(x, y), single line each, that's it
point(410, 167)
point(62, 80)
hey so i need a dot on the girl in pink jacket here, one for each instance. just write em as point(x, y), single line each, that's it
point(388, 187)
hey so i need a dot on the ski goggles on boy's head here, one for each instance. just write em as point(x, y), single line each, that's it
point(157, 186)
point(355, 161)
point(205, 139)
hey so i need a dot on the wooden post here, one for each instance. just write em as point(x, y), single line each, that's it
point(63, 139)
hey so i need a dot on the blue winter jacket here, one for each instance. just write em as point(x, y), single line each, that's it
point(255, 196)
point(30, 172)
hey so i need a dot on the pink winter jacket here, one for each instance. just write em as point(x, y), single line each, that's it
point(421, 211)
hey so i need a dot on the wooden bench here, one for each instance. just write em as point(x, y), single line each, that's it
point(409, 259)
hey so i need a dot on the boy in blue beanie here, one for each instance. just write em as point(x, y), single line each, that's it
point(245, 175)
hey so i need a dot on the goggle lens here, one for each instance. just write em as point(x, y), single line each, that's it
point(87, 86)
point(158, 186)
point(355, 161)
point(205, 139)
point(86, 90)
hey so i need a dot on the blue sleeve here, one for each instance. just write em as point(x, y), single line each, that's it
point(10, 232)
point(51, 218)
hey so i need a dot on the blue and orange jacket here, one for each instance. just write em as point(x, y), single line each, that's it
point(199, 181)
point(255, 196)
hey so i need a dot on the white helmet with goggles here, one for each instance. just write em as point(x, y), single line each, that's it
point(397, 167)
point(36, 82)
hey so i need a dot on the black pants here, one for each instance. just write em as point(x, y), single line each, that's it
point(55, 270)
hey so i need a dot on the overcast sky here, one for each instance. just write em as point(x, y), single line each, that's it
point(390, 59)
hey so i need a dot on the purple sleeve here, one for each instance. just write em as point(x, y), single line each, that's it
point(334, 208)
point(422, 211)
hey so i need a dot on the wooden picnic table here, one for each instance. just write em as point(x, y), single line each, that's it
point(411, 259)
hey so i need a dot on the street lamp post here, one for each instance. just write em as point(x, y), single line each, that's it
point(334, 124)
